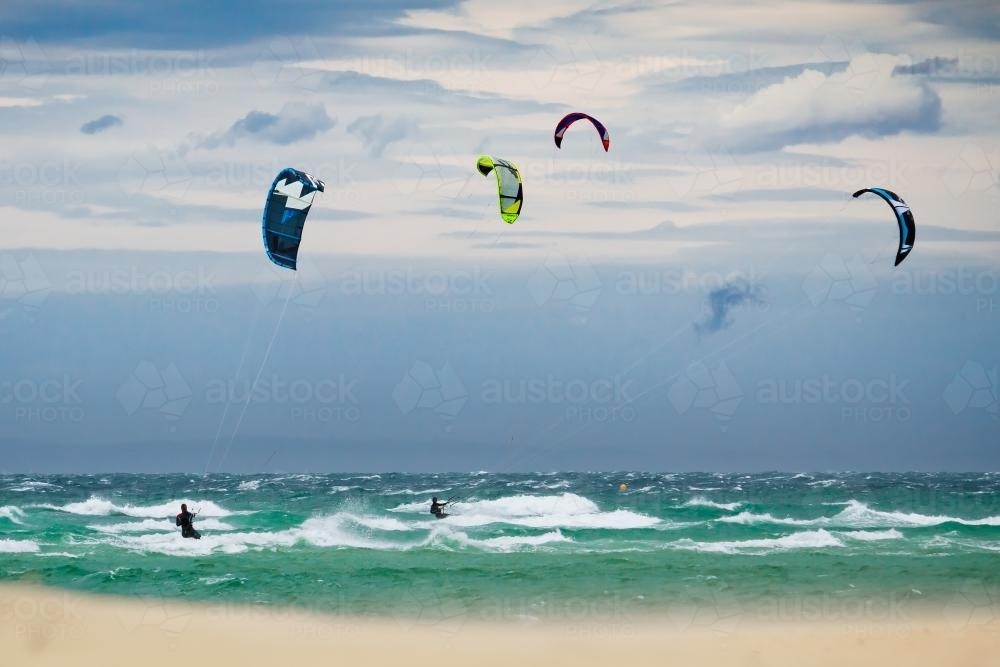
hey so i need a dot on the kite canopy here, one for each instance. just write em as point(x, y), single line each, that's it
point(569, 119)
point(509, 185)
point(285, 212)
point(904, 217)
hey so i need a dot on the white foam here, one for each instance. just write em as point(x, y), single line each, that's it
point(27, 486)
point(12, 513)
point(519, 542)
point(341, 530)
point(249, 485)
point(381, 523)
point(97, 506)
point(567, 510)
point(700, 501)
point(616, 520)
point(858, 515)
point(334, 531)
point(411, 492)
point(18, 547)
point(58, 554)
point(328, 531)
point(811, 539)
point(873, 535)
point(157, 525)
point(751, 518)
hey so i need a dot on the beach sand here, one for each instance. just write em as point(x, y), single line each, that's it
point(43, 627)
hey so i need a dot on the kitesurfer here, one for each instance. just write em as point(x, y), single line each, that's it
point(186, 521)
point(437, 508)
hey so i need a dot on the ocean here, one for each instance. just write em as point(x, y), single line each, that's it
point(518, 546)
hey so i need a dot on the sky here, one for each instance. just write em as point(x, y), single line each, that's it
point(707, 295)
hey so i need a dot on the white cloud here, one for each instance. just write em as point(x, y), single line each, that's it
point(11, 102)
point(815, 106)
point(493, 19)
point(295, 122)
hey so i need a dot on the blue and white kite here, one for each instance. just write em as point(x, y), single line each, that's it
point(288, 204)
point(904, 217)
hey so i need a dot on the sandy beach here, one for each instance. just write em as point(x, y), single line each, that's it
point(41, 626)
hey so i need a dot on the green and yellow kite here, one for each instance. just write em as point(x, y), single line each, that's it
point(509, 185)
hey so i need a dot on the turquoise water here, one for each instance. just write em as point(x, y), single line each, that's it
point(516, 544)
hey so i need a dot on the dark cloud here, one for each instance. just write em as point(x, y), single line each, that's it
point(924, 117)
point(975, 18)
point(187, 24)
point(295, 122)
point(426, 91)
point(721, 303)
point(376, 133)
point(928, 67)
point(735, 83)
point(101, 124)
point(975, 70)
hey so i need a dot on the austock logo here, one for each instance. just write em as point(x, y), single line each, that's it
point(290, 62)
point(559, 279)
point(974, 604)
point(54, 399)
point(708, 608)
point(25, 282)
point(426, 605)
point(452, 291)
point(974, 170)
point(41, 617)
point(155, 172)
point(604, 617)
point(683, 281)
point(713, 389)
point(848, 64)
point(561, 63)
point(43, 182)
point(177, 73)
point(874, 617)
point(980, 284)
point(431, 169)
point(23, 64)
point(876, 400)
point(146, 607)
point(700, 171)
point(147, 387)
point(330, 399)
point(304, 287)
point(423, 387)
point(329, 618)
point(833, 279)
point(166, 291)
point(973, 387)
point(603, 399)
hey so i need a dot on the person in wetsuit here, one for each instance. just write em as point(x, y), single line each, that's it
point(437, 508)
point(186, 521)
